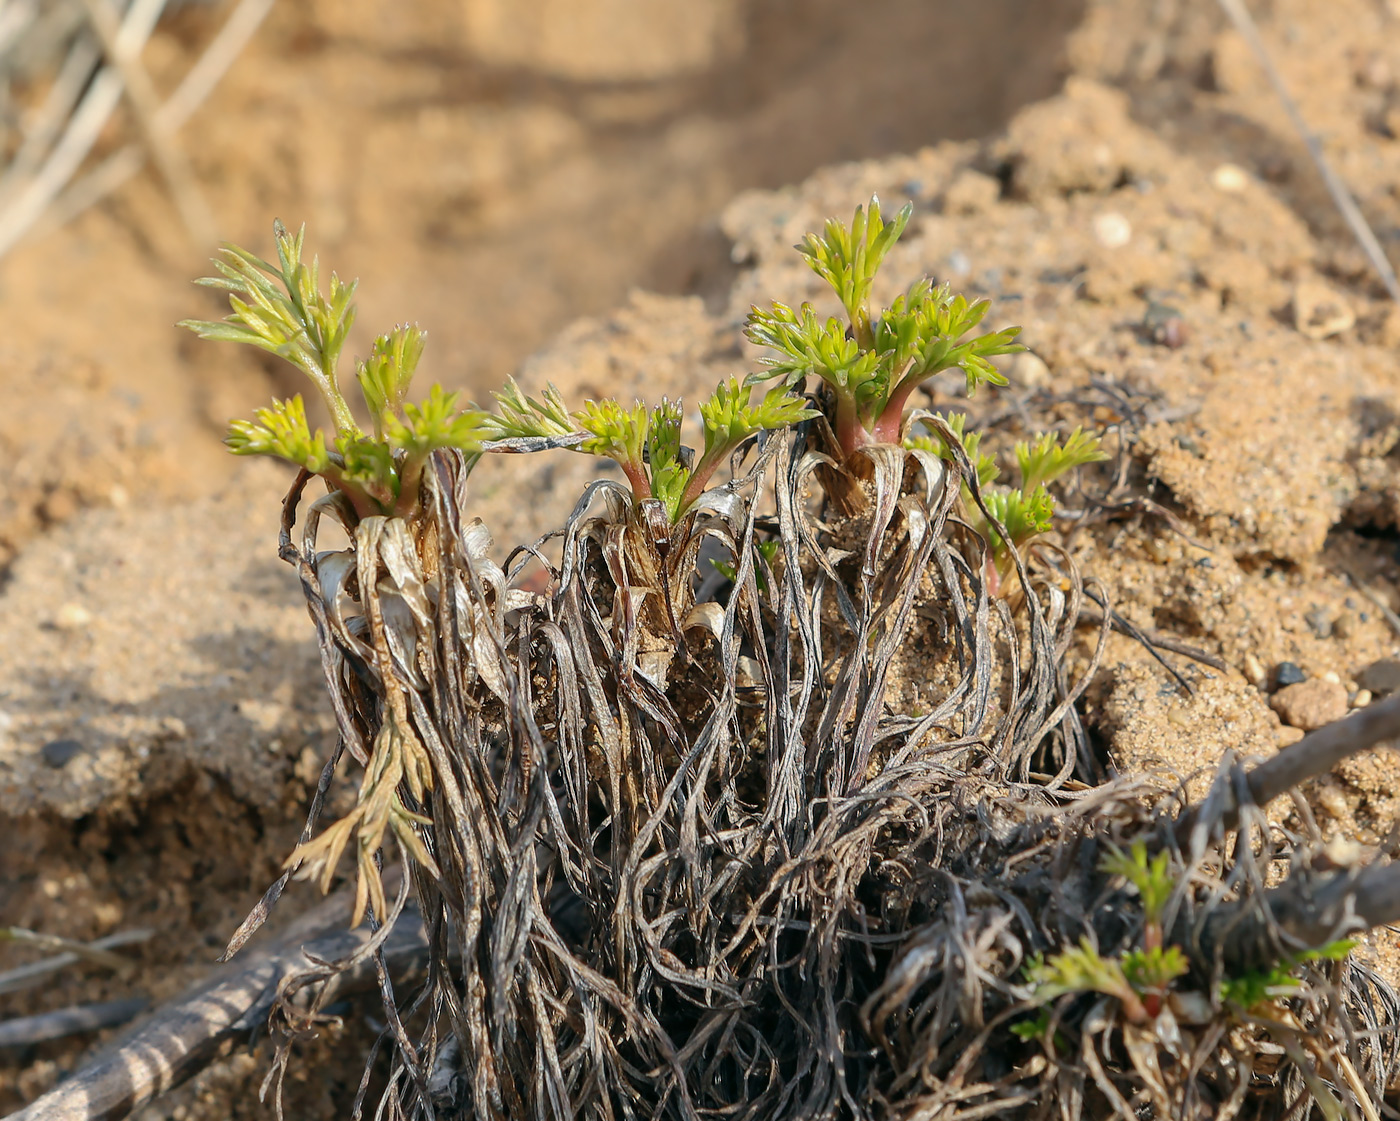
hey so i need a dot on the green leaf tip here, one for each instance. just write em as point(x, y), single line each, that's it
point(283, 308)
point(877, 358)
point(281, 430)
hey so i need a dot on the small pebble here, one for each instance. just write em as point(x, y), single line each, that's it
point(1112, 230)
point(1381, 677)
point(1343, 852)
point(1165, 325)
point(1191, 1007)
point(1288, 673)
point(1361, 699)
point(1344, 625)
point(1332, 800)
point(1310, 704)
point(1028, 369)
point(1319, 622)
point(1287, 736)
point(1332, 676)
point(1319, 312)
point(72, 617)
point(1230, 178)
point(59, 753)
point(1254, 671)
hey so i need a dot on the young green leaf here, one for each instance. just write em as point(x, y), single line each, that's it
point(1150, 876)
point(619, 434)
point(294, 320)
point(281, 430)
point(522, 416)
point(1024, 516)
point(385, 375)
point(809, 345)
point(1255, 987)
point(848, 258)
point(1079, 969)
point(1047, 459)
point(730, 417)
point(875, 363)
point(669, 472)
point(435, 423)
point(1154, 968)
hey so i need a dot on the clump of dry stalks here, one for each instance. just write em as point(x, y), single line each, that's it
point(700, 899)
point(674, 846)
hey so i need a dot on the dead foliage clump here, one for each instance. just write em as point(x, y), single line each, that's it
point(677, 856)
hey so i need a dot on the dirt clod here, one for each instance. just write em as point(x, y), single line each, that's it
point(1310, 704)
point(1381, 677)
point(1320, 312)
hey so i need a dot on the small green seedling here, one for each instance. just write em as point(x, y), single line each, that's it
point(1250, 990)
point(875, 361)
point(1026, 511)
point(1135, 981)
point(646, 443)
point(281, 309)
point(767, 550)
point(1139, 980)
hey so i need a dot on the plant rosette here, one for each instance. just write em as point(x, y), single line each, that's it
point(615, 800)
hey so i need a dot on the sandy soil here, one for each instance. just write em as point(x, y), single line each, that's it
point(1154, 227)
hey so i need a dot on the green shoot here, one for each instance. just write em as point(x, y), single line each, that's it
point(1026, 511)
point(522, 416)
point(768, 550)
point(875, 361)
point(1083, 970)
point(1139, 980)
point(1033, 1027)
point(295, 321)
point(646, 443)
point(1048, 459)
point(1150, 876)
point(280, 308)
point(1151, 971)
point(1254, 988)
point(1036, 1027)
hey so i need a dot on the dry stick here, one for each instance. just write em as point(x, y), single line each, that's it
point(27, 976)
point(93, 953)
point(58, 105)
point(145, 105)
point(185, 1035)
point(1306, 911)
point(1315, 754)
point(117, 168)
point(1345, 203)
point(27, 1030)
point(92, 113)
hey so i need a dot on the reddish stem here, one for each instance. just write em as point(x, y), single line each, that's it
point(695, 486)
point(641, 485)
point(889, 425)
point(850, 433)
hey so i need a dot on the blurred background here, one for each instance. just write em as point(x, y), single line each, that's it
point(491, 169)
